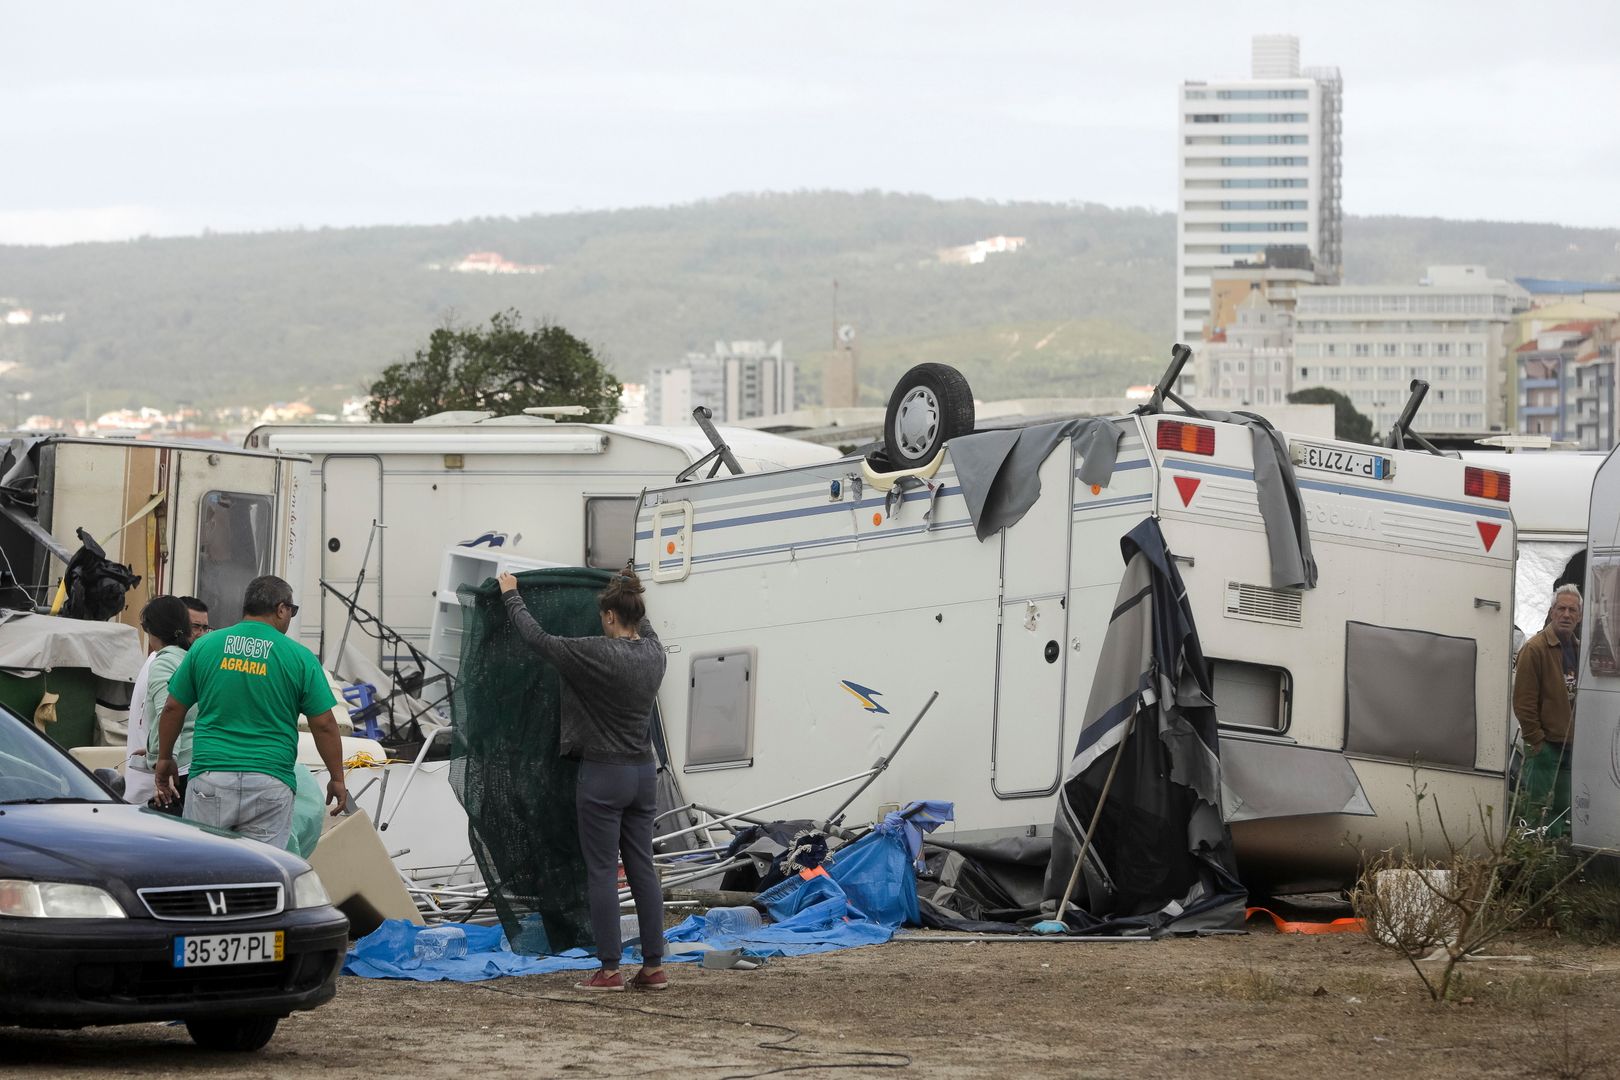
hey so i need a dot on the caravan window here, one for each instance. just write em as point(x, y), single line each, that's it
point(233, 548)
point(1603, 654)
point(1409, 695)
point(610, 531)
point(720, 711)
point(1256, 696)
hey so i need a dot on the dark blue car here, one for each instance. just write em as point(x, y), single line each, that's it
point(113, 914)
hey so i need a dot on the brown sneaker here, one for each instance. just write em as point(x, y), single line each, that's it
point(649, 980)
point(603, 980)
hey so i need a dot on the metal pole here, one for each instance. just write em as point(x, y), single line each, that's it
point(359, 583)
point(766, 806)
point(1096, 816)
point(421, 756)
point(881, 764)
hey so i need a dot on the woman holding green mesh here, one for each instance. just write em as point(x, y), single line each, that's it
point(609, 685)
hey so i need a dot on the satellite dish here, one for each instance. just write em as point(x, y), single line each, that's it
point(846, 333)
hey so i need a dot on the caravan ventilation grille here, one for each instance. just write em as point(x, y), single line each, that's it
point(1262, 604)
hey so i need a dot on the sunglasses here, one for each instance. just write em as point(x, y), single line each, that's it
point(293, 607)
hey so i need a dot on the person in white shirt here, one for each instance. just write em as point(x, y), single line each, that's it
point(167, 622)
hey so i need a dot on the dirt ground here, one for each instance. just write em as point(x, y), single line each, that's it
point(1260, 1005)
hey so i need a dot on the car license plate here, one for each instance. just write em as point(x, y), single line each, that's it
point(1347, 462)
point(216, 950)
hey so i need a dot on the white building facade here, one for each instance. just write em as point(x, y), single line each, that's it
point(1450, 330)
point(739, 380)
point(1259, 164)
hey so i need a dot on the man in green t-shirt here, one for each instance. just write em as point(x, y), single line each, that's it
point(249, 683)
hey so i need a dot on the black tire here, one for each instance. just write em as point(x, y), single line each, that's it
point(239, 1034)
point(931, 404)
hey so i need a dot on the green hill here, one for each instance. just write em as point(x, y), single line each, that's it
point(226, 319)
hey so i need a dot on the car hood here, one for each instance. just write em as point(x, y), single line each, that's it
point(93, 843)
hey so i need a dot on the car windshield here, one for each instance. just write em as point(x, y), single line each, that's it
point(32, 768)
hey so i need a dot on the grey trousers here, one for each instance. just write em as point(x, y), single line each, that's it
point(616, 805)
point(253, 804)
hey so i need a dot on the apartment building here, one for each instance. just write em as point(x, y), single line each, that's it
point(1259, 164)
point(1450, 330)
point(737, 380)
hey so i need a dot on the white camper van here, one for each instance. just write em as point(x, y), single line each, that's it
point(808, 614)
point(542, 490)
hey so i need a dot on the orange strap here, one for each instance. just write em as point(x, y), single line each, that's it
point(1337, 926)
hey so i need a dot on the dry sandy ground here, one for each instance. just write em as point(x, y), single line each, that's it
point(1262, 1005)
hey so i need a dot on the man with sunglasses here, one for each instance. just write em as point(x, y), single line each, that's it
point(199, 616)
point(250, 682)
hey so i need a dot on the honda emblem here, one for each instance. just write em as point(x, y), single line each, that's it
point(216, 903)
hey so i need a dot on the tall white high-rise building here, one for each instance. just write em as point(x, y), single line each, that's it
point(1258, 166)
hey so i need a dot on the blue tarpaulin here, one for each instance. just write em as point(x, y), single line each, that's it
point(389, 952)
point(868, 891)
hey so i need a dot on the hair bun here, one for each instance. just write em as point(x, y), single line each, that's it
point(628, 581)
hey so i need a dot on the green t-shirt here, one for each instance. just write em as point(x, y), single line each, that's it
point(249, 683)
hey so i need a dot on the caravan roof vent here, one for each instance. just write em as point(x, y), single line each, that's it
point(1258, 603)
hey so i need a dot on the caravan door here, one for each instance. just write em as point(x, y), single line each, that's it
point(351, 499)
point(225, 513)
point(1028, 742)
point(1595, 767)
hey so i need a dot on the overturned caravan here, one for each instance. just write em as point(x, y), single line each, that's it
point(809, 613)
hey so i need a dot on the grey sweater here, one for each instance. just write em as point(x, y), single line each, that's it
point(609, 686)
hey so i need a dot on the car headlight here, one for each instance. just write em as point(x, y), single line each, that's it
point(309, 892)
point(57, 900)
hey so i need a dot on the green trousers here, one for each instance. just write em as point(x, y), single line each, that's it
point(1544, 791)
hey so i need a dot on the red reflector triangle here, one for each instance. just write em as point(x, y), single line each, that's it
point(1488, 533)
point(1186, 485)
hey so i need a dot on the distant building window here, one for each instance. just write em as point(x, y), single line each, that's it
point(1268, 162)
point(1416, 348)
point(1262, 204)
point(1442, 348)
point(1263, 226)
point(1247, 118)
point(1267, 182)
point(1361, 350)
point(1389, 349)
point(1265, 140)
point(1262, 95)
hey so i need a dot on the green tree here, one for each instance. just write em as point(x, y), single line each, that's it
point(1348, 424)
point(503, 368)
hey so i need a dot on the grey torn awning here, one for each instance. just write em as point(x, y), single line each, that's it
point(1273, 780)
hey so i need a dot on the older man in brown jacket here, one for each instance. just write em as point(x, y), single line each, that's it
point(1544, 701)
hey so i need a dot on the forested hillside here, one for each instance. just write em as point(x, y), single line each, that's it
point(1084, 308)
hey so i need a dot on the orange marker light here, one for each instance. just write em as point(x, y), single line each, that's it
point(670, 547)
point(1487, 484)
point(1187, 438)
point(877, 519)
point(1096, 489)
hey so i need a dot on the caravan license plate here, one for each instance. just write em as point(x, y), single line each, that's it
point(217, 950)
point(1347, 462)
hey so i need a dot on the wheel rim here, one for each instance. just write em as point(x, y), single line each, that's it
point(916, 422)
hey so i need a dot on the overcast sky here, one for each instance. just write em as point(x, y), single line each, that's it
point(121, 119)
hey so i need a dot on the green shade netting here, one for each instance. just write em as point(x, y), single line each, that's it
point(505, 767)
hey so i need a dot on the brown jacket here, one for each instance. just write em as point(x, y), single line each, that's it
point(1540, 698)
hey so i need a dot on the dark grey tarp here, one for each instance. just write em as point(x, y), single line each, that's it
point(1161, 859)
point(1288, 535)
point(1261, 779)
point(1000, 470)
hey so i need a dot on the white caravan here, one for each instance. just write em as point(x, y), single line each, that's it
point(541, 490)
point(1551, 489)
point(808, 617)
point(1595, 766)
point(189, 518)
